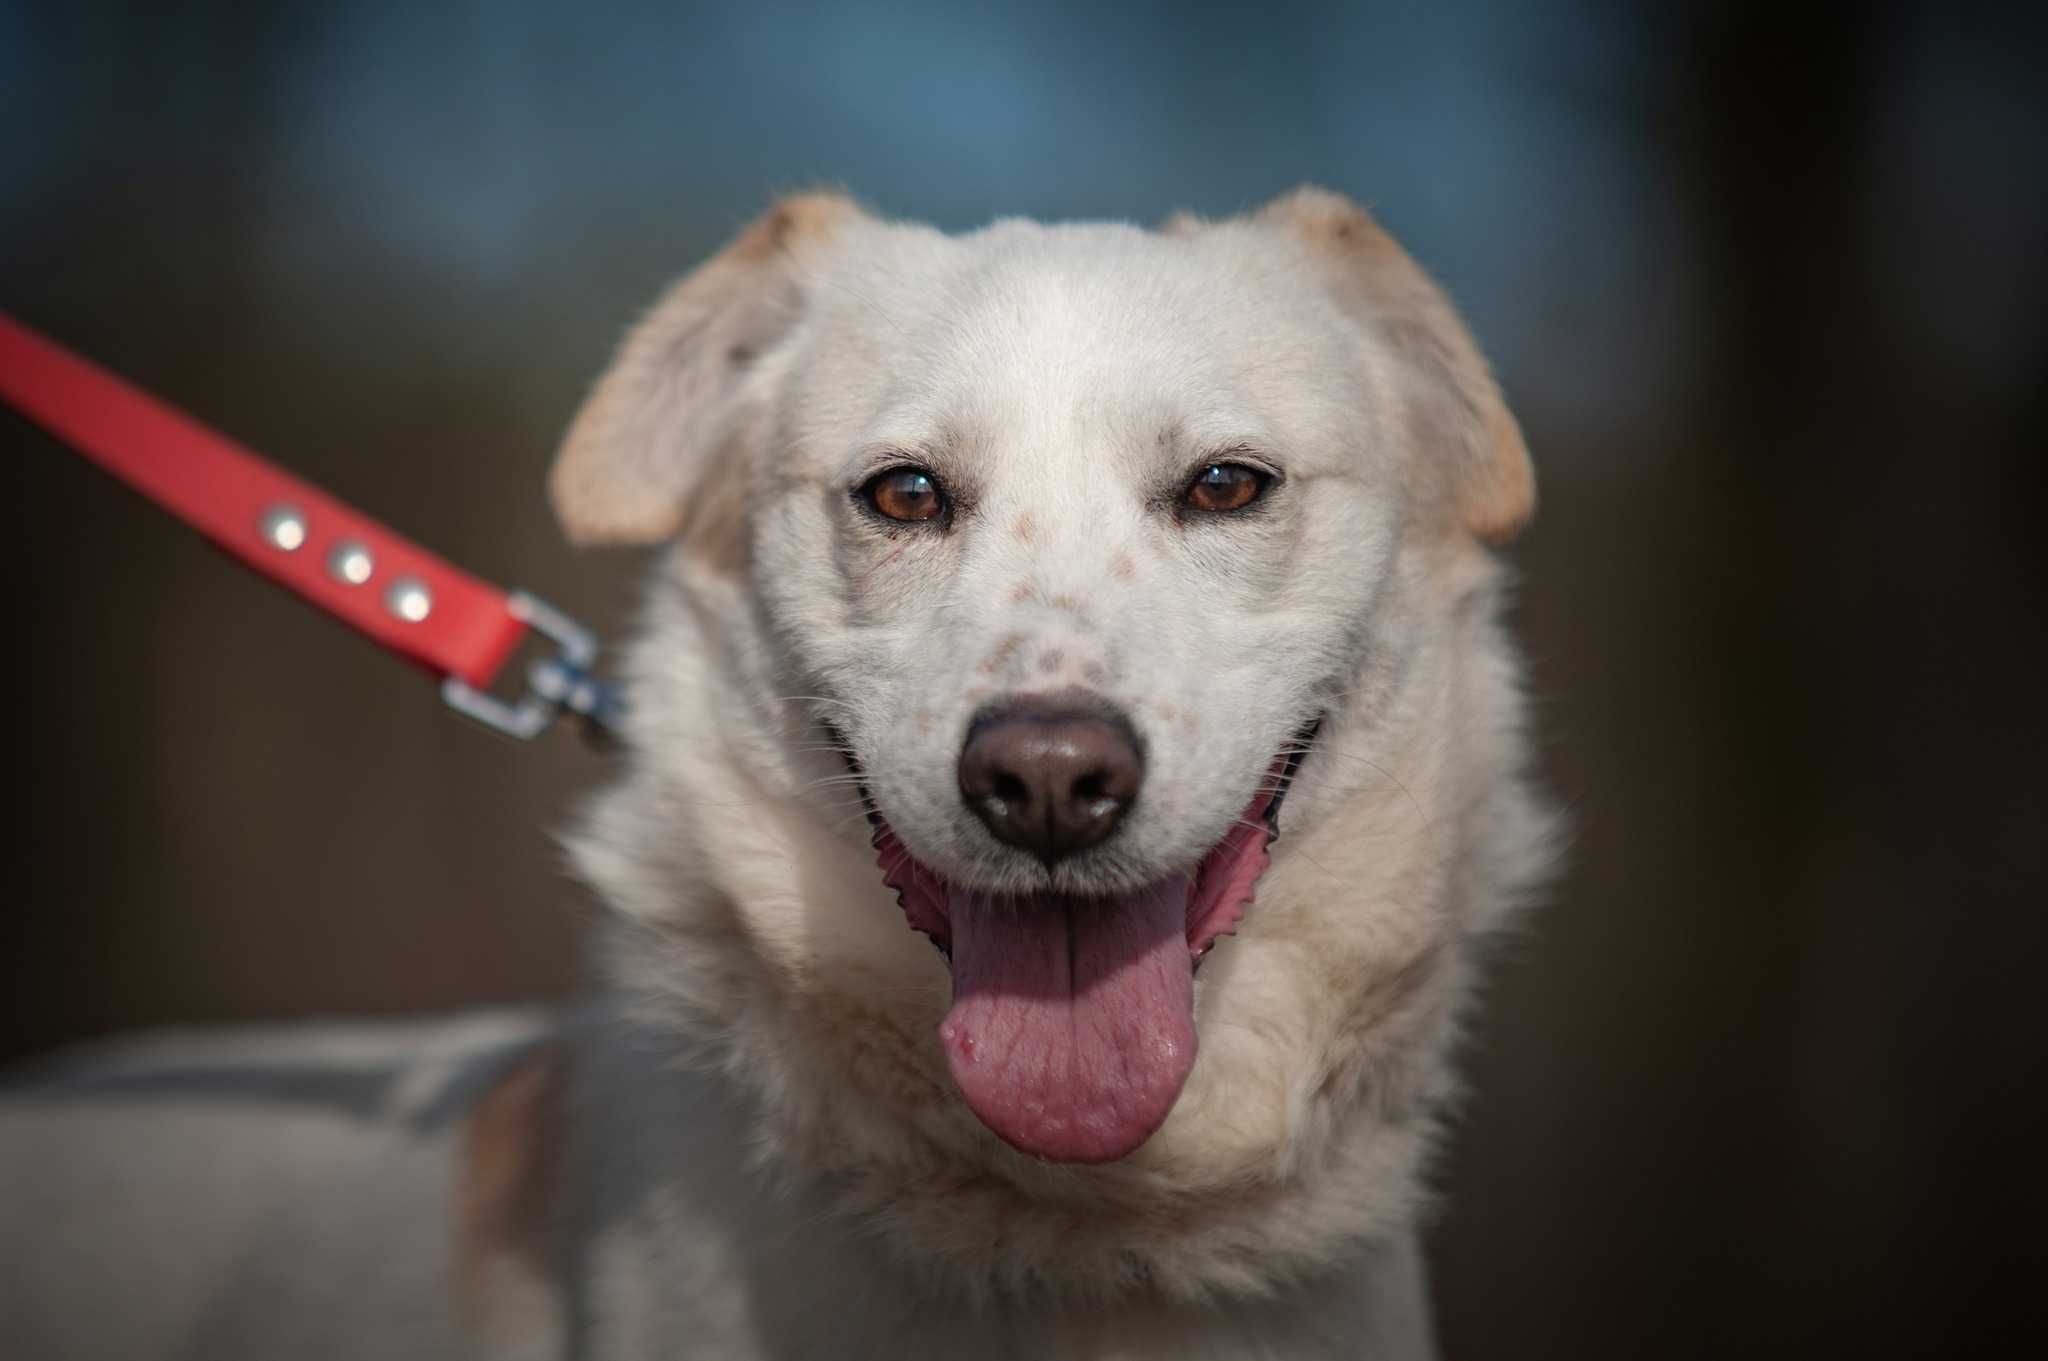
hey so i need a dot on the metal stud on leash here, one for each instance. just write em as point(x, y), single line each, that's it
point(351, 562)
point(284, 528)
point(409, 599)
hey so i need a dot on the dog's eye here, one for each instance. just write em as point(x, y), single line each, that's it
point(1225, 486)
point(905, 494)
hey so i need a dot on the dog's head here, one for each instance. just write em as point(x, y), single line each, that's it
point(1076, 542)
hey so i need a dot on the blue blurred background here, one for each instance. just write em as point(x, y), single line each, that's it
point(1765, 284)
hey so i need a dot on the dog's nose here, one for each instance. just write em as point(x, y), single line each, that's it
point(1051, 780)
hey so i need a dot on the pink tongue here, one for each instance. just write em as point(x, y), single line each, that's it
point(1073, 1020)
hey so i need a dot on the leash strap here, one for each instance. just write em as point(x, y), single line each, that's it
point(426, 610)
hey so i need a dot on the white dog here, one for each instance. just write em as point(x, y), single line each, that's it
point(1110, 609)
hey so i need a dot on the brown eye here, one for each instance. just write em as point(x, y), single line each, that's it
point(905, 494)
point(1226, 486)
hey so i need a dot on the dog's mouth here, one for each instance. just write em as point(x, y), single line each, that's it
point(1072, 1029)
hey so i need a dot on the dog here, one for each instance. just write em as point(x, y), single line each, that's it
point(1074, 763)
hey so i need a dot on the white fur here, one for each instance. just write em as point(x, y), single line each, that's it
point(1070, 375)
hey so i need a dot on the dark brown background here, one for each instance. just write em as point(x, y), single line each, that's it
point(1766, 285)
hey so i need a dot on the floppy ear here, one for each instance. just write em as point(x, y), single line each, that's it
point(675, 405)
point(1452, 398)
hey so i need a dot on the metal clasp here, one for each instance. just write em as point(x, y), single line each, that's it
point(553, 684)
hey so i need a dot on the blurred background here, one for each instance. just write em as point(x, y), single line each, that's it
point(1766, 285)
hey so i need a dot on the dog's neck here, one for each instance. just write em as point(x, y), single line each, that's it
point(691, 1240)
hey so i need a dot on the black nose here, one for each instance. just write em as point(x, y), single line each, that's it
point(1050, 778)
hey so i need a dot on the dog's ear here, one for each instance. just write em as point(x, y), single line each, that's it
point(676, 405)
point(1453, 401)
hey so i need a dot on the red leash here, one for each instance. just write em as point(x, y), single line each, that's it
point(426, 610)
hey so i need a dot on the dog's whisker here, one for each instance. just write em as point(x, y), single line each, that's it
point(826, 781)
point(816, 699)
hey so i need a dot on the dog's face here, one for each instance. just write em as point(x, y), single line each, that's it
point(1084, 472)
point(1074, 538)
